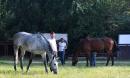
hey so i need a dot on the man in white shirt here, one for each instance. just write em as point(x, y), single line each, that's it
point(52, 42)
point(61, 47)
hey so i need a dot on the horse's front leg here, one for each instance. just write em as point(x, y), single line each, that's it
point(47, 58)
point(87, 60)
point(30, 61)
point(112, 59)
point(108, 59)
point(21, 58)
point(45, 62)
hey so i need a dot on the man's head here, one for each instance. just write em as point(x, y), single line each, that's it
point(62, 40)
point(52, 34)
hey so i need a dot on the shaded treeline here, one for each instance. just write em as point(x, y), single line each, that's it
point(78, 18)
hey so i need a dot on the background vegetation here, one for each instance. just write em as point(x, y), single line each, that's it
point(78, 18)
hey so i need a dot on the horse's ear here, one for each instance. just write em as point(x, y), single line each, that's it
point(57, 58)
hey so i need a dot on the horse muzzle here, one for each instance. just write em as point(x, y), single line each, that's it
point(53, 70)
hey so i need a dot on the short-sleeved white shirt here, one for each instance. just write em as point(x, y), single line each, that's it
point(53, 44)
point(62, 46)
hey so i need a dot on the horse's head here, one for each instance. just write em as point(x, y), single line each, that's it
point(74, 59)
point(54, 65)
point(74, 62)
point(52, 57)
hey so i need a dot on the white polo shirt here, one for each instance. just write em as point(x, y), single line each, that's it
point(53, 44)
point(62, 46)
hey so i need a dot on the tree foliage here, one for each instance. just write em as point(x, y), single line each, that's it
point(78, 18)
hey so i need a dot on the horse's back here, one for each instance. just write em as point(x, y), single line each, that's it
point(20, 37)
point(30, 42)
point(97, 44)
point(108, 43)
point(20, 34)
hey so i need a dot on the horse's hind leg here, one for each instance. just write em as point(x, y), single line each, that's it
point(21, 58)
point(15, 57)
point(30, 61)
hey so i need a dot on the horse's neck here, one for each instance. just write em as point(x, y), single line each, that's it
point(50, 55)
point(46, 42)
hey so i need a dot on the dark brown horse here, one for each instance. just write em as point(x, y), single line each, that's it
point(88, 45)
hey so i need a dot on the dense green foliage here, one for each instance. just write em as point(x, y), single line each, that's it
point(78, 18)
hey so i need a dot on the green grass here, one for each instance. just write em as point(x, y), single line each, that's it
point(120, 70)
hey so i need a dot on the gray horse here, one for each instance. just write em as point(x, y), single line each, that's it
point(35, 44)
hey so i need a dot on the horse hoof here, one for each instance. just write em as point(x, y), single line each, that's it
point(112, 65)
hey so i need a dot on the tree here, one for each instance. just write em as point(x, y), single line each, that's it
point(78, 18)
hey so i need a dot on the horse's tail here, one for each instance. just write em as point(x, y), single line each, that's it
point(115, 48)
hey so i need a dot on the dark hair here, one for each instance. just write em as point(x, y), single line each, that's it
point(52, 32)
point(62, 38)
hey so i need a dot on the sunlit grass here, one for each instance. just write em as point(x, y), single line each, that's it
point(120, 70)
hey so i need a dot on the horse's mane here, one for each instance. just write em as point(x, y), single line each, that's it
point(48, 44)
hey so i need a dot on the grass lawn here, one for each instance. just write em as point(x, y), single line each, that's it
point(120, 70)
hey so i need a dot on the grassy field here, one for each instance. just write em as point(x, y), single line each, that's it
point(120, 70)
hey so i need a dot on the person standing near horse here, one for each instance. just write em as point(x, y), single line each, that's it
point(61, 49)
point(93, 59)
point(92, 55)
point(52, 42)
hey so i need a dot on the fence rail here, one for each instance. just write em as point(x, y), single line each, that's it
point(6, 49)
